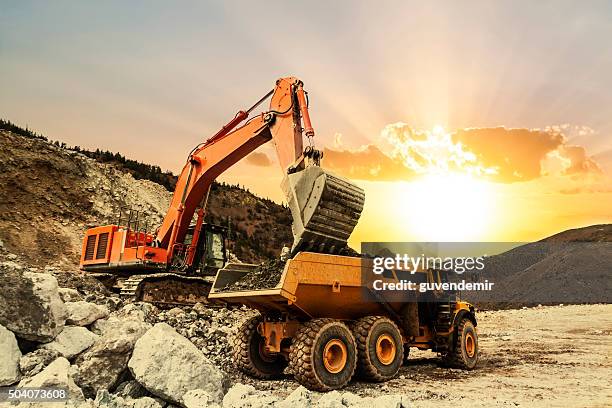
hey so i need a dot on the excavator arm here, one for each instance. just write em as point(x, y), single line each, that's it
point(281, 123)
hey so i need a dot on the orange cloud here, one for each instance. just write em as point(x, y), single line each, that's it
point(580, 163)
point(259, 159)
point(497, 154)
point(516, 154)
point(366, 163)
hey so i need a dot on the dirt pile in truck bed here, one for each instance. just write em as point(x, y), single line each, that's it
point(265, 276)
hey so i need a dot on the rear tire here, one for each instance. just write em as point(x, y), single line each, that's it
point(465, 351)
point(323, 355)
point(249, 353)
point(380, 348)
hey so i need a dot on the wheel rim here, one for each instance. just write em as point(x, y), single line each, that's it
point(334, 356)
point(264, 354)
point(470, 345)
point(385, 349)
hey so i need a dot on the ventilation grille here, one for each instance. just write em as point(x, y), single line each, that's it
point(90, 247)
point(102, 245)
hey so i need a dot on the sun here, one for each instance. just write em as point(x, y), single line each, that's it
point(447, 208)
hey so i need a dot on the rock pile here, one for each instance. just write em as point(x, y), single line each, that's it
point(113, 355)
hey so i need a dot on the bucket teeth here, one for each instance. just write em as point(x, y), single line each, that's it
point(325, 209)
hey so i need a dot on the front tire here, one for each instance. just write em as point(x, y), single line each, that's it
point(250, 355)
point(465, 352)
point(323, 355)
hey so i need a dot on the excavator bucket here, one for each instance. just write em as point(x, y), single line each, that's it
point(325, 209)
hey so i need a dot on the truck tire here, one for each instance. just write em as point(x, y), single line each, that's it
point(323, 355)
point(250, 356)
point(380, 348)
point(465, 350)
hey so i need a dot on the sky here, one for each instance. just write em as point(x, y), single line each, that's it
point(461, 120)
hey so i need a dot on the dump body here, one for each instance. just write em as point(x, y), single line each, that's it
point(311, 285)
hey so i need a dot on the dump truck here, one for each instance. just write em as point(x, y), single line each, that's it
point(172, 265)
point(324, 322)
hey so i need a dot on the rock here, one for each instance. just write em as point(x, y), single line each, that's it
point(69, 295)
point(113, 303)
point(240, 395)
point(202, 310)
point(82, 313)
point(71, 341)
point(34, 362)
point(300, 397)
point(131, 389)
point(169, 365)
point(56, 374)
point(199, 399)
point(332, 399)
point(142, 310)
point(101, 367)
point(106, 400)
point(35, 299)
point(9, 357)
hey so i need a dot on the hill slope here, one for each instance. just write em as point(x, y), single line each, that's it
point(574, 266)
point(50, 194)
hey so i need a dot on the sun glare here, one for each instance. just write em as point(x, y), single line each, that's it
point(450, 207)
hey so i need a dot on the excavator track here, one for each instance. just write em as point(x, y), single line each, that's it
point(166, 289)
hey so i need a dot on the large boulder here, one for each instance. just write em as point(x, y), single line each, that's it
point(34, 362)
point(83, 313)
point(169, 366)
point(56, 374)
point(9, 357)
point(30, 305)
point(72, 341)
point(103, 364)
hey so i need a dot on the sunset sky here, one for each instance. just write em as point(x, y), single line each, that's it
point(462, 120)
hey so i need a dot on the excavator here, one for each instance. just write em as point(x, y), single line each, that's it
point(176, 263)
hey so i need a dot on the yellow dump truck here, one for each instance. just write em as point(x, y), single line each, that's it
point(323, 322)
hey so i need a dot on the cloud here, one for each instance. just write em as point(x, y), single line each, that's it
point(497, 154)
point(579, 162)
point(259, 159)
point(515, 154)
point(365, 163)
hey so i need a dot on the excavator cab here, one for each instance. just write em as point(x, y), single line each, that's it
point(210, 253)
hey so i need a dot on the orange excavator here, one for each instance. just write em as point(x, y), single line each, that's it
point(176, 263)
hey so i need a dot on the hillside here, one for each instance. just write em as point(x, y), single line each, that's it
point(49, 195)
point(574, 266)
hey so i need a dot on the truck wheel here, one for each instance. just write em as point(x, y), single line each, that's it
point(380, 348)
point(323, 355)
point(465, 352)
point(250, 354)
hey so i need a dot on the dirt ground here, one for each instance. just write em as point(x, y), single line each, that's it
point(557, 356)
